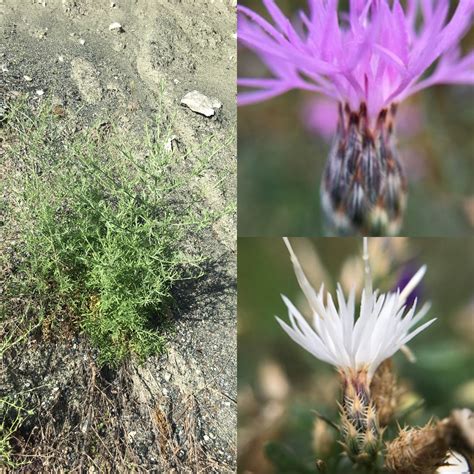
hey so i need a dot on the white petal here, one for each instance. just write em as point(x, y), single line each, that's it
point(411, 285)
point(421, 314)
point(319, 353)
point(308, 290)
point(410, 336)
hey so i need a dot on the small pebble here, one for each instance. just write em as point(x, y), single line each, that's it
point(27, 78)
point(82, 41)
point(201, 104)
point(115, 26)
point(169, 147)
point(40, 92)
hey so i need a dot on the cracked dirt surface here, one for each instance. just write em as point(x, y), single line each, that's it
point(176, 411)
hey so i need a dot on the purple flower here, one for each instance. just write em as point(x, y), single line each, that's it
point(366, 59)
point(377, 53)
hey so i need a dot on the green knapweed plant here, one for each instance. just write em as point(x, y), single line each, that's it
point(107, 225)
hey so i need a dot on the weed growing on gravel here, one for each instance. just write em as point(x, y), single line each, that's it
point(12, 413)
point(107, 226)
point(17, 414)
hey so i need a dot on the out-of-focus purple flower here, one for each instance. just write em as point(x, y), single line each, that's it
point(376, 53)
point(319, 116)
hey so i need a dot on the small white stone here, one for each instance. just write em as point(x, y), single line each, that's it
point(115, 26)
point(82, 41)
point(169, 147)
point(40, 92)
point(201, 104)
point(61, 59)
point(27, 78)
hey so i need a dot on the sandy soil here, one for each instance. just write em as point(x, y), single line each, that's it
point(177, 411)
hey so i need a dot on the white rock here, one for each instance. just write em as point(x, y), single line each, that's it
point(40, 92)
point(61, 59)
point(115, 26)
point(169, 147)
point(82, 41)
point(27, 78)
point(201, 104)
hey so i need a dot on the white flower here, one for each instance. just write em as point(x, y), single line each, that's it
point(349, 343)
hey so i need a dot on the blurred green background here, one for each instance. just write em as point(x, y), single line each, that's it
point(281, 162)
point(280, 383)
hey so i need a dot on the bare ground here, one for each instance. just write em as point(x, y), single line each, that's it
point(176, 411)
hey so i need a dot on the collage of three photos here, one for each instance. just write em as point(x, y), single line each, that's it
point(237, 236)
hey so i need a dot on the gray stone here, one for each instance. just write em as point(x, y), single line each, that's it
point(201, 104)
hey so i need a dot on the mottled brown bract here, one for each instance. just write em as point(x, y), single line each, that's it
point(384, 392)
point(363, 189)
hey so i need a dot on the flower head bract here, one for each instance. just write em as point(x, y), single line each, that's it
point(350, 343)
